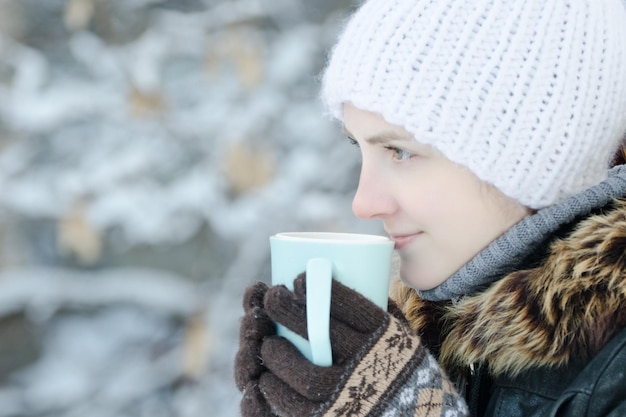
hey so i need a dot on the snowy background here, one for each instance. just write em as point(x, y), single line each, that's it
point(148, 149)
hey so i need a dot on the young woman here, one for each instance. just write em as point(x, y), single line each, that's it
point(488, 131)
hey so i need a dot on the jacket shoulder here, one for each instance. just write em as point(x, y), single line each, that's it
point(594, 389)
point(600, 389)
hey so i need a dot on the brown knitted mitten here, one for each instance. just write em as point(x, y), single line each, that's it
point(379, 365)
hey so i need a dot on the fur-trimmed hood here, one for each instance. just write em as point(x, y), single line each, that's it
point(563, 310)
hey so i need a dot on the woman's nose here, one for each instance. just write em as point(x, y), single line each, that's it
point(373, 199)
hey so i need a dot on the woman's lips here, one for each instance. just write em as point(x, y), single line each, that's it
point(402, 241)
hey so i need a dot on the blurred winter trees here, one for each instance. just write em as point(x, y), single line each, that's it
point(148, 148)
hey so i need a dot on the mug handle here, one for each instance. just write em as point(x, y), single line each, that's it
point(319, 276)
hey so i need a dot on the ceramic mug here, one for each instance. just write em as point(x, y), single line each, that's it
point(359, 261)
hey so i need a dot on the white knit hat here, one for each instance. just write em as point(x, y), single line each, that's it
point(530, 95)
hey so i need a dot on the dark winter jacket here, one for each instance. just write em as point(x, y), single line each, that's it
point(547, 339)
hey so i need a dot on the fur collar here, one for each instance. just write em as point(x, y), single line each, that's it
point(562, 311)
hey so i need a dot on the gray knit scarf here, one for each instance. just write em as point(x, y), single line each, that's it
point(506, 253)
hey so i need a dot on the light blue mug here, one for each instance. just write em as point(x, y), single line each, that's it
point(361, 262)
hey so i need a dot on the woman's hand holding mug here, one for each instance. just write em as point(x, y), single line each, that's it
point(375, 355)
point(325, 344)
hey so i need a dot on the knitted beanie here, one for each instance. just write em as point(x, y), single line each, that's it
point(530, 95)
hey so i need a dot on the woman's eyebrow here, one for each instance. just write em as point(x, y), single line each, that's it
point(384, 136)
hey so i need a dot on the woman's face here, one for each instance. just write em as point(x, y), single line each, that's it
point(439, 214)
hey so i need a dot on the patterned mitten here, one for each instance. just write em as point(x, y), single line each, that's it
point(380, 367)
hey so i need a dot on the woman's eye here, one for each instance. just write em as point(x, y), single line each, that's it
point(399, 154)
point(353, 142)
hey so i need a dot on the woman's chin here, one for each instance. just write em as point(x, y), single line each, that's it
point(416, 279)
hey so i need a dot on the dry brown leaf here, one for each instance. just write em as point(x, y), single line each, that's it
point(247, 169)
point(249, 62)
point(196, 346)
point(77, 237)
point(212, 61)
point(145, 104)
point(241, 48)
point(78, 14)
